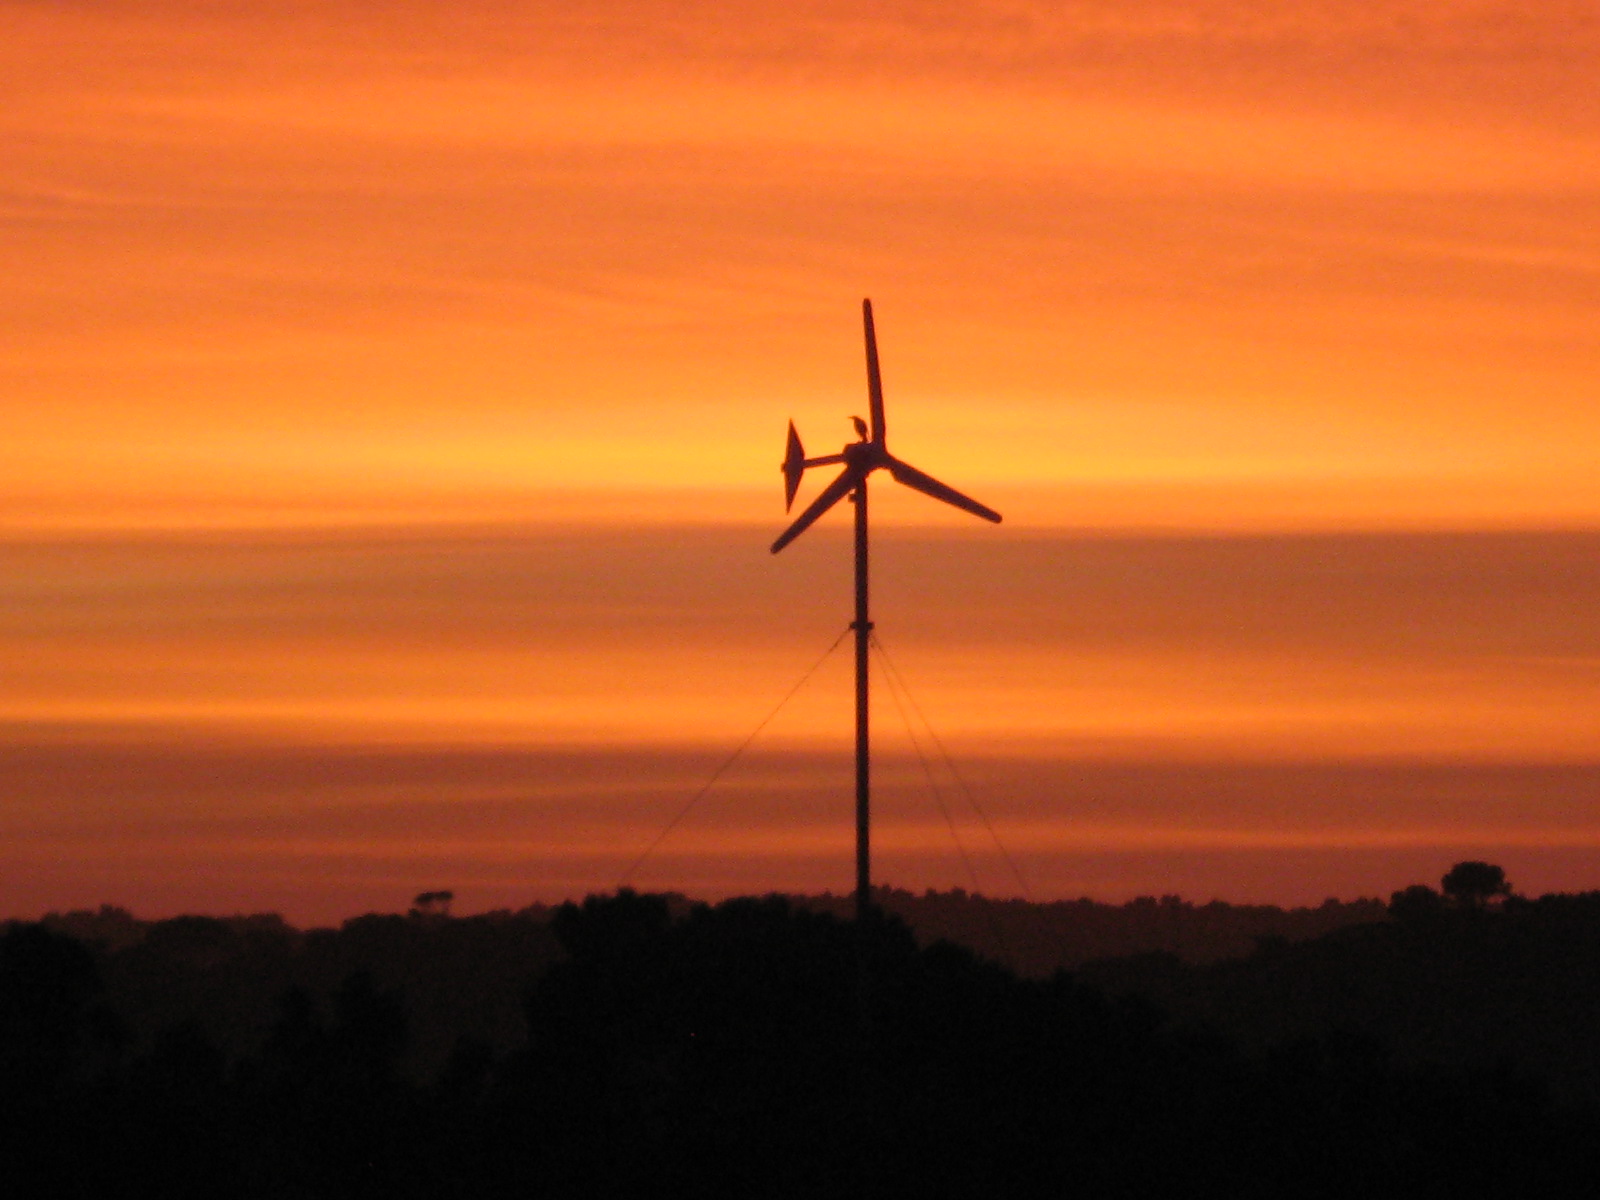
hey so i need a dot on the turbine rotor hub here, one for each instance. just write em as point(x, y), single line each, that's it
point(864, 456)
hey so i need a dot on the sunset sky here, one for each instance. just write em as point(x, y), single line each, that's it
point(395, 395)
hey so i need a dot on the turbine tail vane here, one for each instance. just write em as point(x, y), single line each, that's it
point(929, 486)
point(794, 466)
point(874, 380)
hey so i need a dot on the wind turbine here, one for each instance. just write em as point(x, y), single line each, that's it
point(860, 460)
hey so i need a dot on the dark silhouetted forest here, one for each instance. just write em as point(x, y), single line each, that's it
point(643, 1045)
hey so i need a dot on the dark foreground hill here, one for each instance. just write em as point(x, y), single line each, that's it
point(751, 1049)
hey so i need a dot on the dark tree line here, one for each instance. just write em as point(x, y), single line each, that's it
point(750, 1049)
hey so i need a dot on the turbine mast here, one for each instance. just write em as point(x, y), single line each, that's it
point(863, 627)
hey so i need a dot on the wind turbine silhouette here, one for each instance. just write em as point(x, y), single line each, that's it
point(860, 460)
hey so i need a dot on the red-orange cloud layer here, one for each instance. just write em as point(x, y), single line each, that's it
point(195, 719)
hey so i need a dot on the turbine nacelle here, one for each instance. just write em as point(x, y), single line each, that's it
point(860, 459)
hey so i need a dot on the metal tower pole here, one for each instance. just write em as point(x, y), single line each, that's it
point(863, 627)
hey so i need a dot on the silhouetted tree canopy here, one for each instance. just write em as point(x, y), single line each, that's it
point(1417, 902)
point(47, 985)
point(1472, 885)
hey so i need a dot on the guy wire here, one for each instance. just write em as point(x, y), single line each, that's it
point(950, 765)
point(927, 768)
point(730, 760)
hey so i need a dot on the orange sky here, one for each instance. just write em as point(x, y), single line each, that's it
point(472, 288)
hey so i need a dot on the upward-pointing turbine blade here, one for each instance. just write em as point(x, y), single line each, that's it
point(831, 495)
point(874, 381)
point(929, 486)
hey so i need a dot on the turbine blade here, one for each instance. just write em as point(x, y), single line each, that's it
point(874, 380)
point(794, 466)
point(831, 495)
point(929, 486)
